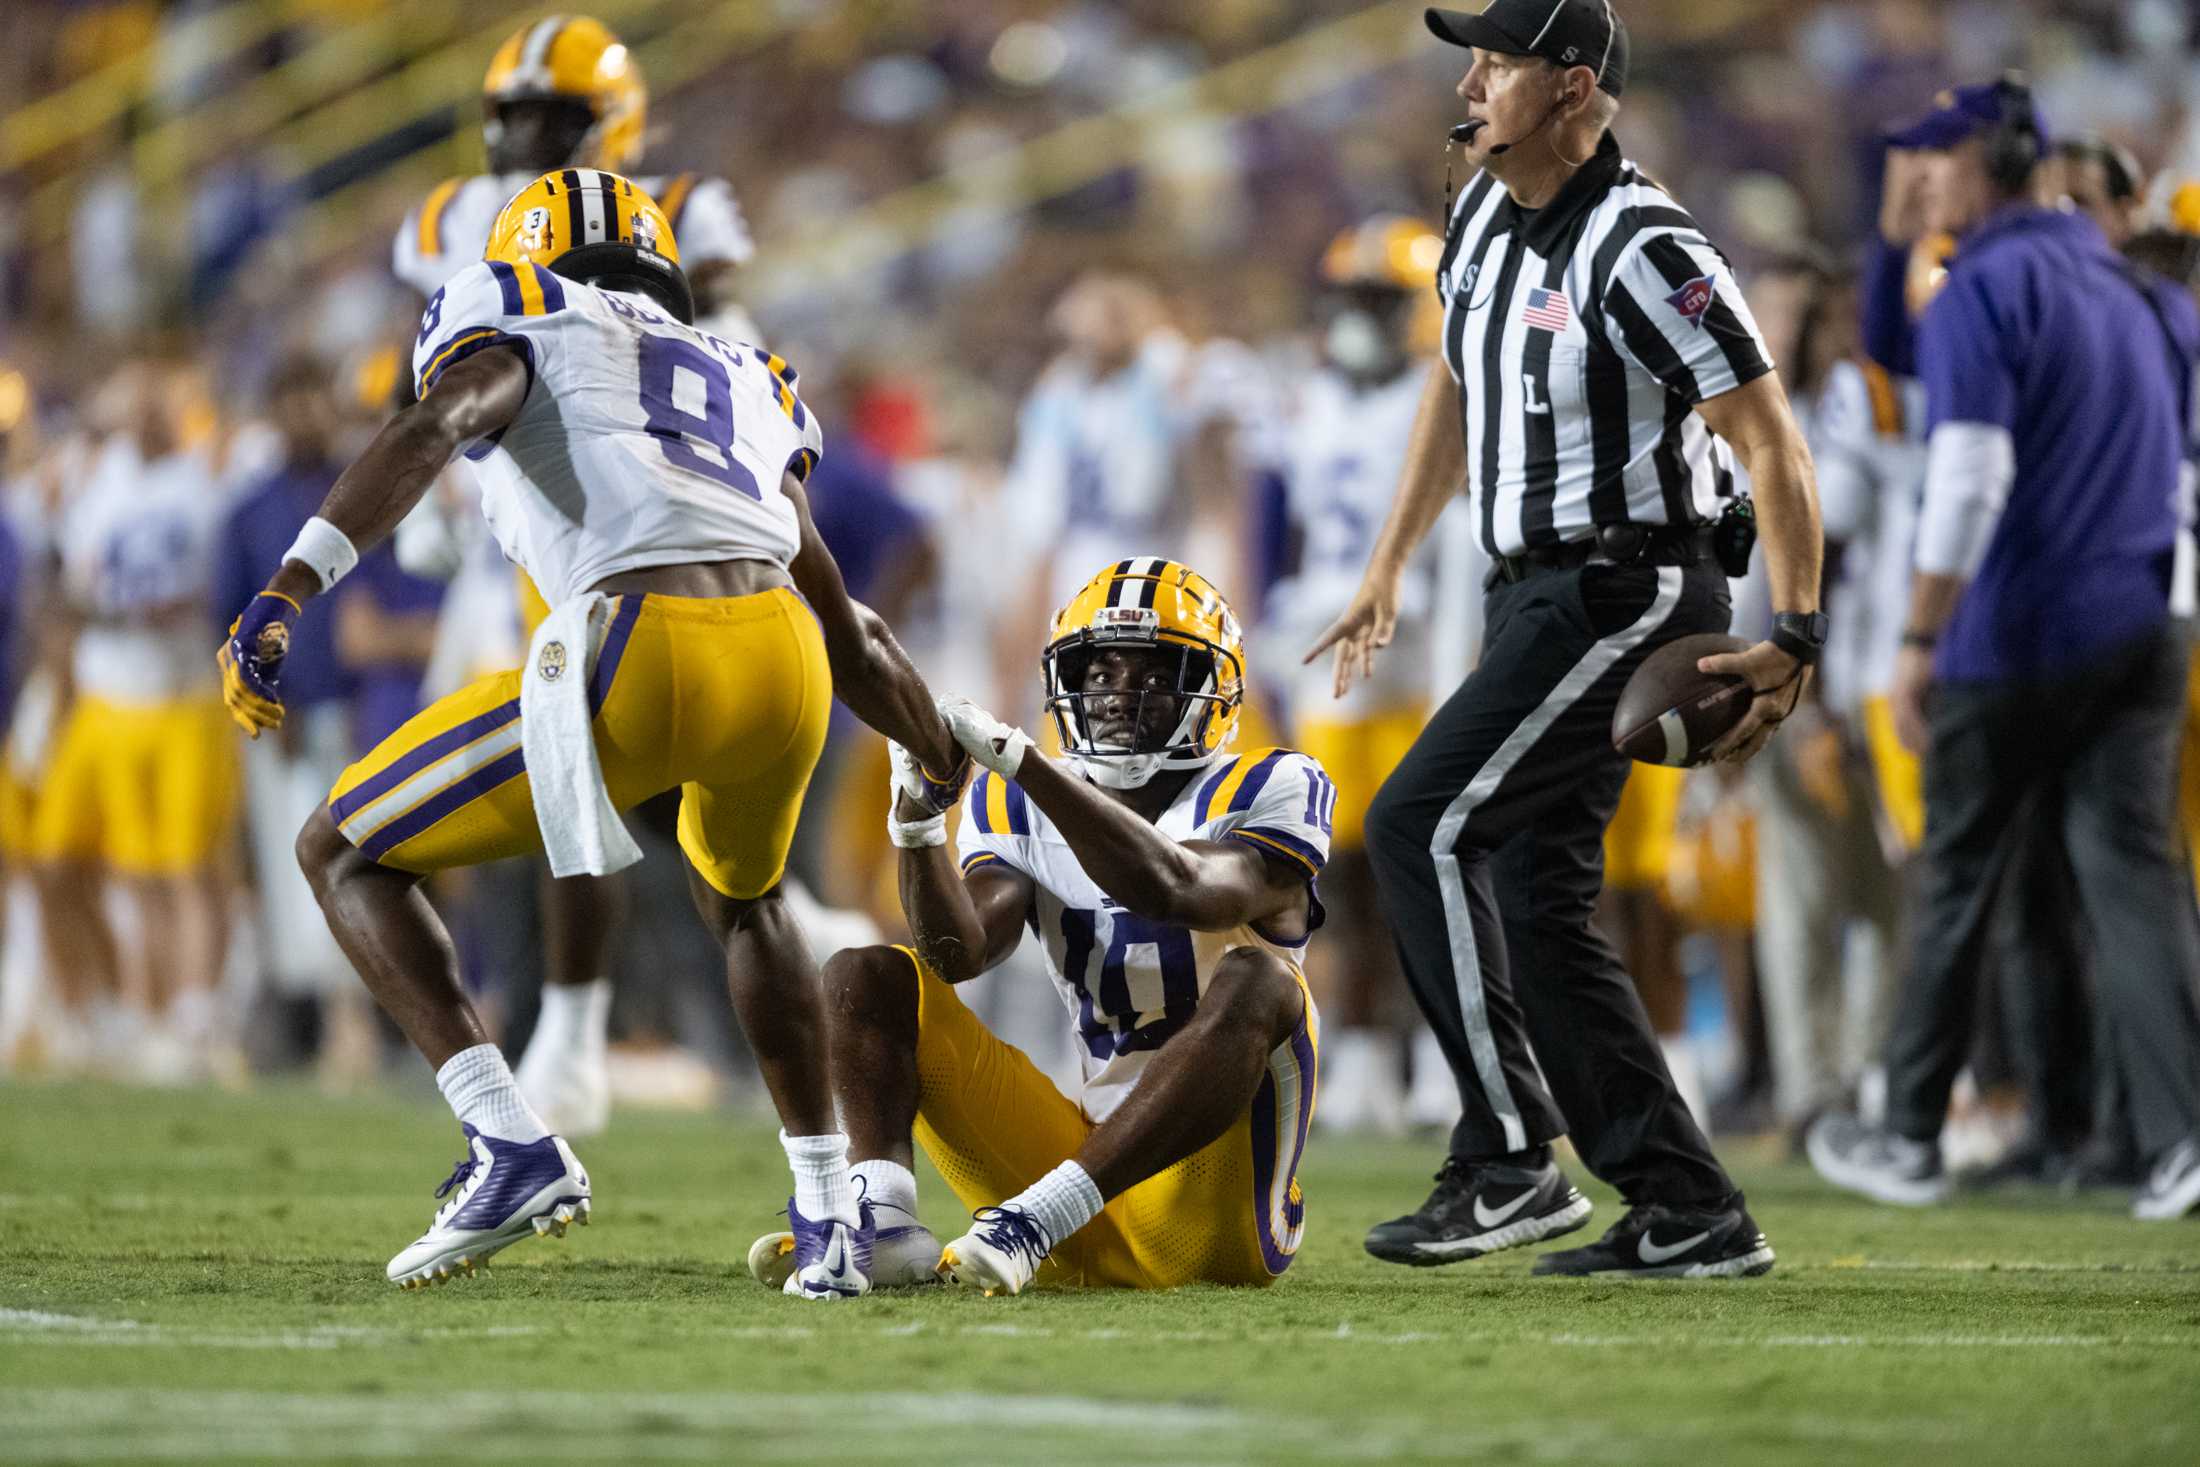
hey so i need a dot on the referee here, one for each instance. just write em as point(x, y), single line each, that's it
point(1594, 341)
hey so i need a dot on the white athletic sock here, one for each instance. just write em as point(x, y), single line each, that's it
point(886, 1184)
point(820, 1166)
point(1348, 1078)
point(192, 1017)
point(479, 1085)
point(576, 1016)
point(1063, 1201)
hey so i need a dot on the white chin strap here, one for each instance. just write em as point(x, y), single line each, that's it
point(1119, 772)
point(1134, 771)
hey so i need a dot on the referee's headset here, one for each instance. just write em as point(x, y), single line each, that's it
point(1465, 132)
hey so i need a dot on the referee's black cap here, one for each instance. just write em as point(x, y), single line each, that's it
point(1563, 32)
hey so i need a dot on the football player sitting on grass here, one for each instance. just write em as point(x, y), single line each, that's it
point(1171, 887)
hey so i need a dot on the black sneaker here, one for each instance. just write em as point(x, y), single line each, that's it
point(1480, 1208)
point(1656, 1242)
point(1878, 1164)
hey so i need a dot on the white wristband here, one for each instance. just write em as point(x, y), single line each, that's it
point(916, 835)
point(326, 549)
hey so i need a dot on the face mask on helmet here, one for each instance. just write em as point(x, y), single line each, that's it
point(1127, 708)
point(1364, 335)
point(1355, 343)
point(536, 134)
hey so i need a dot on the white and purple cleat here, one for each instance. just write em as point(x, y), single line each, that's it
point(817, 1260)
point(904, 1254)
point(500, 1192)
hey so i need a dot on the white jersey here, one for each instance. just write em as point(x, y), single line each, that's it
point(137, 538)
point(1094, 476)
point(1344, 453)
point(1864, 437)
point(1130, 983)
point(451, 227)
point(642, 442)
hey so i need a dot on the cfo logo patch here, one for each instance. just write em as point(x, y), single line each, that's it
point(1692, 300)
point(552, 663)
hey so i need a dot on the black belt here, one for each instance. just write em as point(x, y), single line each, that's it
point(1611, 545)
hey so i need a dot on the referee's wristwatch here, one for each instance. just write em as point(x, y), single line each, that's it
point(1800, 634)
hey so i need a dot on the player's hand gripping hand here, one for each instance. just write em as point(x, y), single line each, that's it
point(918, 816)
point(1364, 629)
point(251, 661)
point(998, 746)
point(1778, 679)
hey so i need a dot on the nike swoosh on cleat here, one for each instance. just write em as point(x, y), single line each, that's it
point(1649, 1251)
point(1492, 1217)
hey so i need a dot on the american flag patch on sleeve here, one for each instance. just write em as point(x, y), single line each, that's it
point(1546, 310)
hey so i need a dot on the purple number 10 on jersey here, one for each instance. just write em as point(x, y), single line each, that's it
point(663, 358)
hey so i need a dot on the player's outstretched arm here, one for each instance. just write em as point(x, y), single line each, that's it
point(1436, 469)
point(1204, 885)
point(477, 396)
point(961, 925)
point(871, 674)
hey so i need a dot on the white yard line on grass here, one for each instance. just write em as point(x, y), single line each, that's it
point(37, 1327)
point(34, 1327)
point(110, 1425)
point(2001, 1265)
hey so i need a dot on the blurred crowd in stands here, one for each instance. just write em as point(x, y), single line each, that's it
point(974, 223)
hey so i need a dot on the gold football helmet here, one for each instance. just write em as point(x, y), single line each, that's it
point(1392, 252)
point(1147, 601)
point(572, 58)
point(589, 225)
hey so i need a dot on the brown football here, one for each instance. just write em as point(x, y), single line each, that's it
point(1669, 713)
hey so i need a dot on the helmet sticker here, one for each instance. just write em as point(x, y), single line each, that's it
point(534, 229)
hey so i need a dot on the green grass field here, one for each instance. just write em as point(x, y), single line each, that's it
point(198, 1277)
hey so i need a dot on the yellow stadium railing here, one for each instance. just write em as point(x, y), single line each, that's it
point(96, 99)
point(444, 69)
point(669, 59)
point(332, 62)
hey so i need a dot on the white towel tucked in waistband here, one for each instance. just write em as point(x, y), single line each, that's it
point(581, 832)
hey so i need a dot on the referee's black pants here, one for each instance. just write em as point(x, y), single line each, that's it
point(1488, 841)
point(2103, 740)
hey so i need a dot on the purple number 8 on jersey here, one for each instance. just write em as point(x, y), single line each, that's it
point(662, 358)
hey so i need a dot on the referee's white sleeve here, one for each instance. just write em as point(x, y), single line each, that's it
point(1680, 316)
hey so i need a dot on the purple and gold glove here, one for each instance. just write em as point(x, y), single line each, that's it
point(932, 795)
point(252, 660)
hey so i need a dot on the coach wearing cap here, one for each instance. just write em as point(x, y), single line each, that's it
point(2042, 660)
point(1594, 342)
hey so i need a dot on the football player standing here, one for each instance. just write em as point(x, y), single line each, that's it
point(564, 93)
point(1344, 450)
point(699, 633)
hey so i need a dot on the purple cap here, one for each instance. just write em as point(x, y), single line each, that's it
point(1961, 113)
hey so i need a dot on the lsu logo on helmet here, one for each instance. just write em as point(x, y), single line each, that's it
point(1147, 601)
point(574, 59)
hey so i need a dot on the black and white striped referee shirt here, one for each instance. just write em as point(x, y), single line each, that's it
point(1582, 335)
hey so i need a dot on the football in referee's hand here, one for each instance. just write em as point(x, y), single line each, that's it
point(1669, 713)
